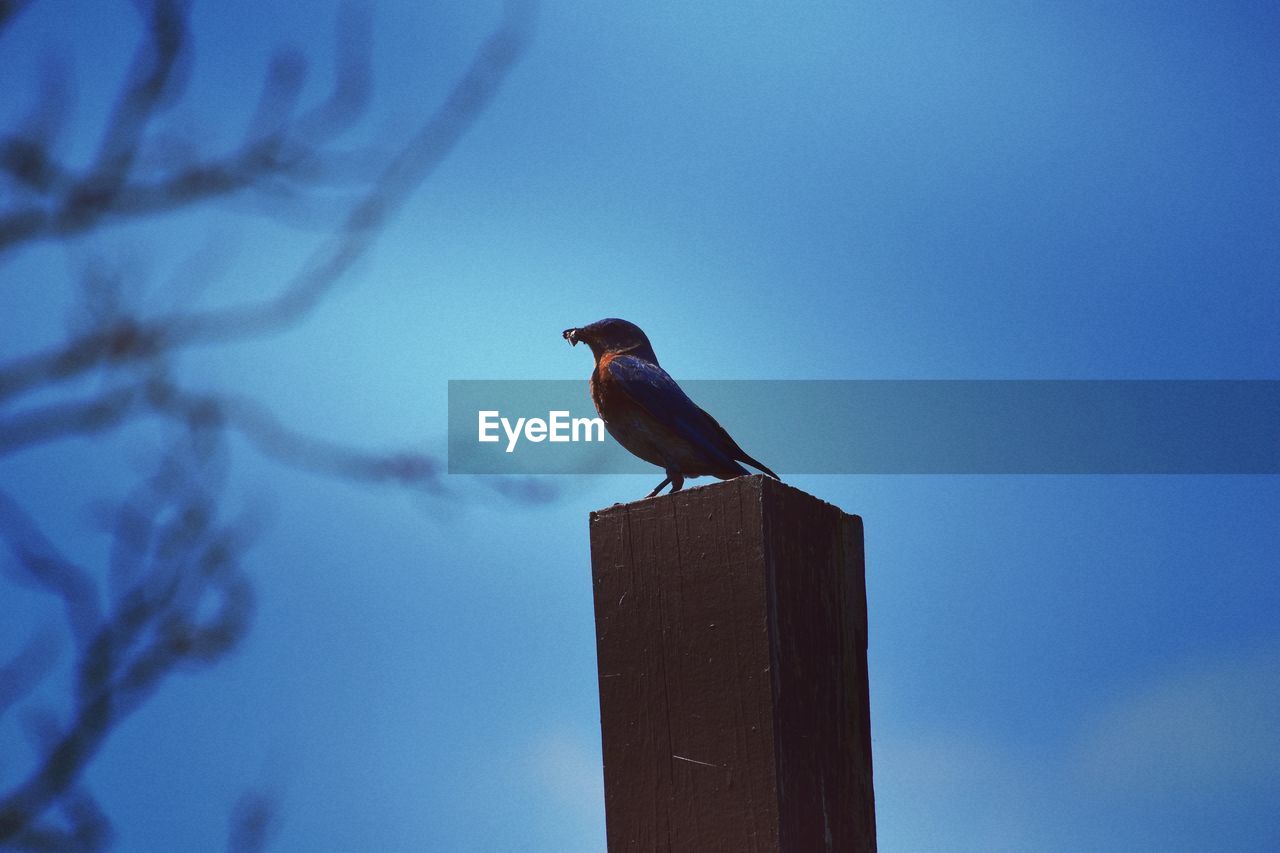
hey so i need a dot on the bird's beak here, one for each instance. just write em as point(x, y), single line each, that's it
point(571, 335)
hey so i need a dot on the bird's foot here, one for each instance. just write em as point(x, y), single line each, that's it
point(659, 488)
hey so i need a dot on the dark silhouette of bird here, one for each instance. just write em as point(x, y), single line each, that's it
point(647, 413)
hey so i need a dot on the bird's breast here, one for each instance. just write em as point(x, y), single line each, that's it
point(637, 430)
point(628, 422)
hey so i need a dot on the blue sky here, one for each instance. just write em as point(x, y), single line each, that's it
point(850, 191)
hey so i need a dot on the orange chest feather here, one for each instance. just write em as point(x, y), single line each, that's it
point(612, 401)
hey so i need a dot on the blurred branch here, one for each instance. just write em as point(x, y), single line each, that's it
point(253, 420)
point(191, 604)
point(60, 420)
point(414, 163)
point(44, 566)
point(88, 828)
point(111, 189)
point(252, 823)
point(21, 673)
point(146, 86)
point(133, 340)
point(9, 10)
point(176, 595)
point(256, 423)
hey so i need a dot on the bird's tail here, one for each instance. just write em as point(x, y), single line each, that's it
point(754, 464)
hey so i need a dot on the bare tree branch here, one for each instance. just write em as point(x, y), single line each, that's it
point(134, 340)
point(149, 81)
point(9, 10)
point(275, 441)
point(253, 420)
point(60, 420)
point(21, 673)
point(46, 567)
point(253, 823)
point(111, 189)
point(177, 596)
point(87, 826)
point(163, 621)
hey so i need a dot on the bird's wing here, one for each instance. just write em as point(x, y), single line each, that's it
point(653, 389)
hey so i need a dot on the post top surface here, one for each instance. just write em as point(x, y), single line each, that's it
point(758, 484)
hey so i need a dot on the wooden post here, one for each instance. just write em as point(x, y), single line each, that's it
point(731, 631)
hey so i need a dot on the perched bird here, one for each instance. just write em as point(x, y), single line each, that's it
point(645, 410)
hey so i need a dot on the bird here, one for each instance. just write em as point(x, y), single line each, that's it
point(649, 414)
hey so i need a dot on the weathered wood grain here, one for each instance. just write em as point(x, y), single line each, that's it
point(731, 645)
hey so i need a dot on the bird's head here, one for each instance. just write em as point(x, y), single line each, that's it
point(612, 336)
